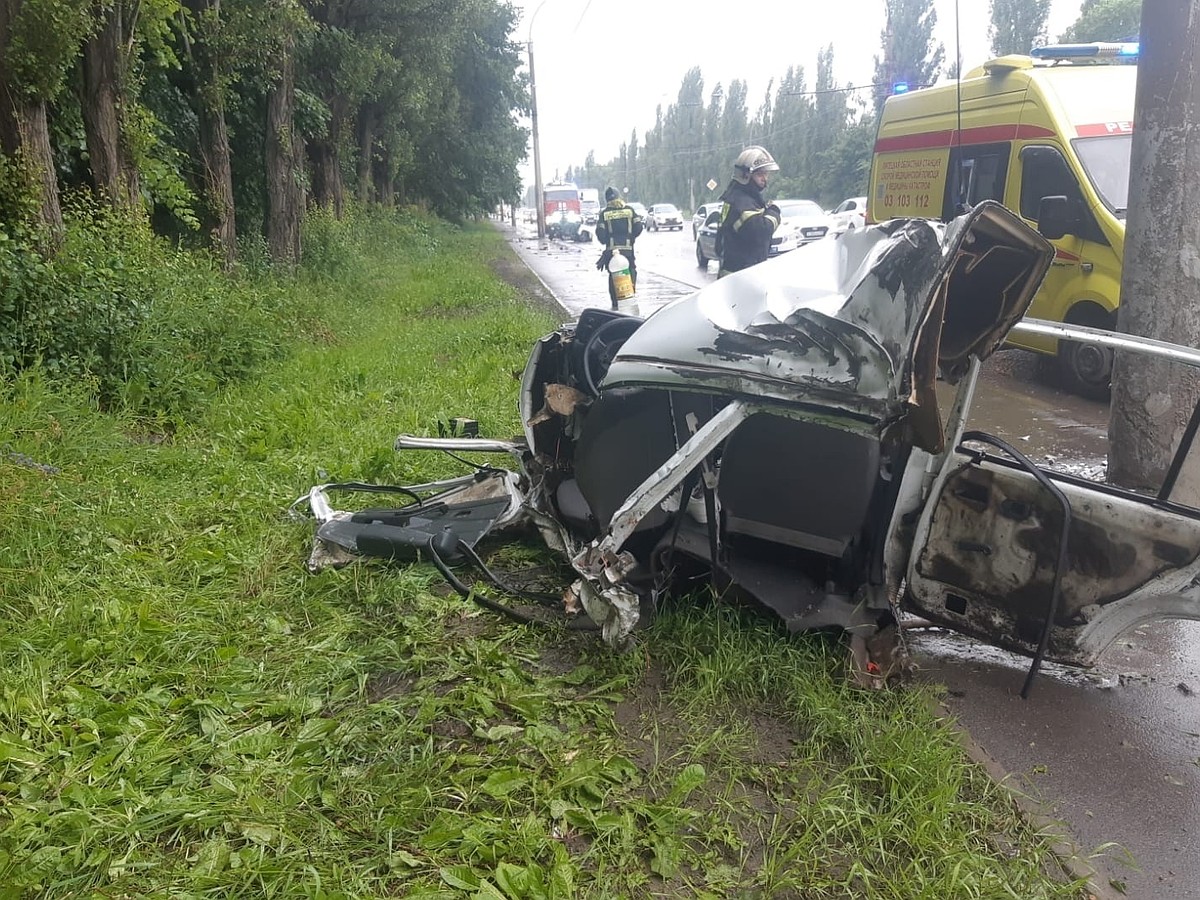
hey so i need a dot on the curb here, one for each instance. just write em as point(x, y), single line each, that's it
point(510, 236)
point(1062, 842)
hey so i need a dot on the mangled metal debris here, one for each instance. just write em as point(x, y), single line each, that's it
point(777, 433)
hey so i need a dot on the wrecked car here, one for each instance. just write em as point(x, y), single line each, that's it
point(568, 226)
point(777, 434)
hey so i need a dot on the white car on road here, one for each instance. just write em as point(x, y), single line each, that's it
point(849, 215)
point(702, 214)
point(664, 215)
point(803, 222)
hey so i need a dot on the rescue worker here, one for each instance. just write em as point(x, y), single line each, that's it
point(617, 228)
point(747, 220)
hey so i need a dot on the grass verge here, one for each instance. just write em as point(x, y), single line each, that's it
point(185, 713)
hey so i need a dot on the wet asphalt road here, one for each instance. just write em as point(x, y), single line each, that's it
point(1113, 753)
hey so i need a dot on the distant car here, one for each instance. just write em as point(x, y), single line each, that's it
point(706, 238)
point(639, 208)
point(702, 214)
point(849, 215)
point(803, 222)
point(664, 215)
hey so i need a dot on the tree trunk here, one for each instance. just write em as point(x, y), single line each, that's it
point(113, 169)
point(24, 133)
point(385, 186)
point(284, 200)
point(327, 187)
point(367, 123)
point(218, 177)
point(1160, 284)
point(208, 66)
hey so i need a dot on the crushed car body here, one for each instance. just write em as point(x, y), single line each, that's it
point(777, 433)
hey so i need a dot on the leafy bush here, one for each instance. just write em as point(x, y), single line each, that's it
point(157, 329)
point(345, 248)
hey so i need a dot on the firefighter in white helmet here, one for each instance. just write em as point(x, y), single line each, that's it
point(747, 220)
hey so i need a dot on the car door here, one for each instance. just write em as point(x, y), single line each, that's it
point(1046, 173)
point(852, 215)
point(841, 215)
point(707, 238)
point(986, 545)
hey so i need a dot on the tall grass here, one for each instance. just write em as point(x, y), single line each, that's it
point(185, 713)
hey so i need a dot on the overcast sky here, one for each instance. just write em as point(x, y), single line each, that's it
point(603, 66)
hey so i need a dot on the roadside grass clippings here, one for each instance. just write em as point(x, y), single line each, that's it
point(185, 712)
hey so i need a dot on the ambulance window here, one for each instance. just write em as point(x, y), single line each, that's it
point(1044, 173)
point(1106, 162)
point(980, 170)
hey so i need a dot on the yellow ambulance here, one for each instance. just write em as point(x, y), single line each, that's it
point(1047, 135)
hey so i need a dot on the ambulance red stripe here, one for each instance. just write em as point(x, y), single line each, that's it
point(939, 140)
point(1101, 129)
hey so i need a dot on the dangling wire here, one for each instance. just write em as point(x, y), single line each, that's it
point(583, 623)
point(586, 7)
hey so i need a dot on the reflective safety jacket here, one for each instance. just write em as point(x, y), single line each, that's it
point(744, 237)
point(618, 225)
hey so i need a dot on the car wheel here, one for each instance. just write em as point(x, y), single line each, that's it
point(1086, 369)
point(701, 259)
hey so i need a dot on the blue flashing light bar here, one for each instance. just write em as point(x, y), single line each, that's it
point(1124, 50)
point(900, 87)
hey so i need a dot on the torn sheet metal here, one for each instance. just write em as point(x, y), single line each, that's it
point(861, 324)
point(463, 509)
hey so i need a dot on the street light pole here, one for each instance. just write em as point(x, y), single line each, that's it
point(538, 193)
point(537, 156)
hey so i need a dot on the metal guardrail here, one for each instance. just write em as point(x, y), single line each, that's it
point(1102, 338)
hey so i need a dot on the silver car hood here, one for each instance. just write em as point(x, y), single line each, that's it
point(858, 326)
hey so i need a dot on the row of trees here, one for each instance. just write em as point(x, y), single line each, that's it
point(236, 115)
point(822, 134)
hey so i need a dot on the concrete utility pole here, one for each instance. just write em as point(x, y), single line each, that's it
point(1160, 283)
point(539, 195)
point(537, 152)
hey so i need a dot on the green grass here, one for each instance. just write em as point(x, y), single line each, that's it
point(185, 713)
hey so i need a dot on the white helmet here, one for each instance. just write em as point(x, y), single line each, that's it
point(751, 160)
